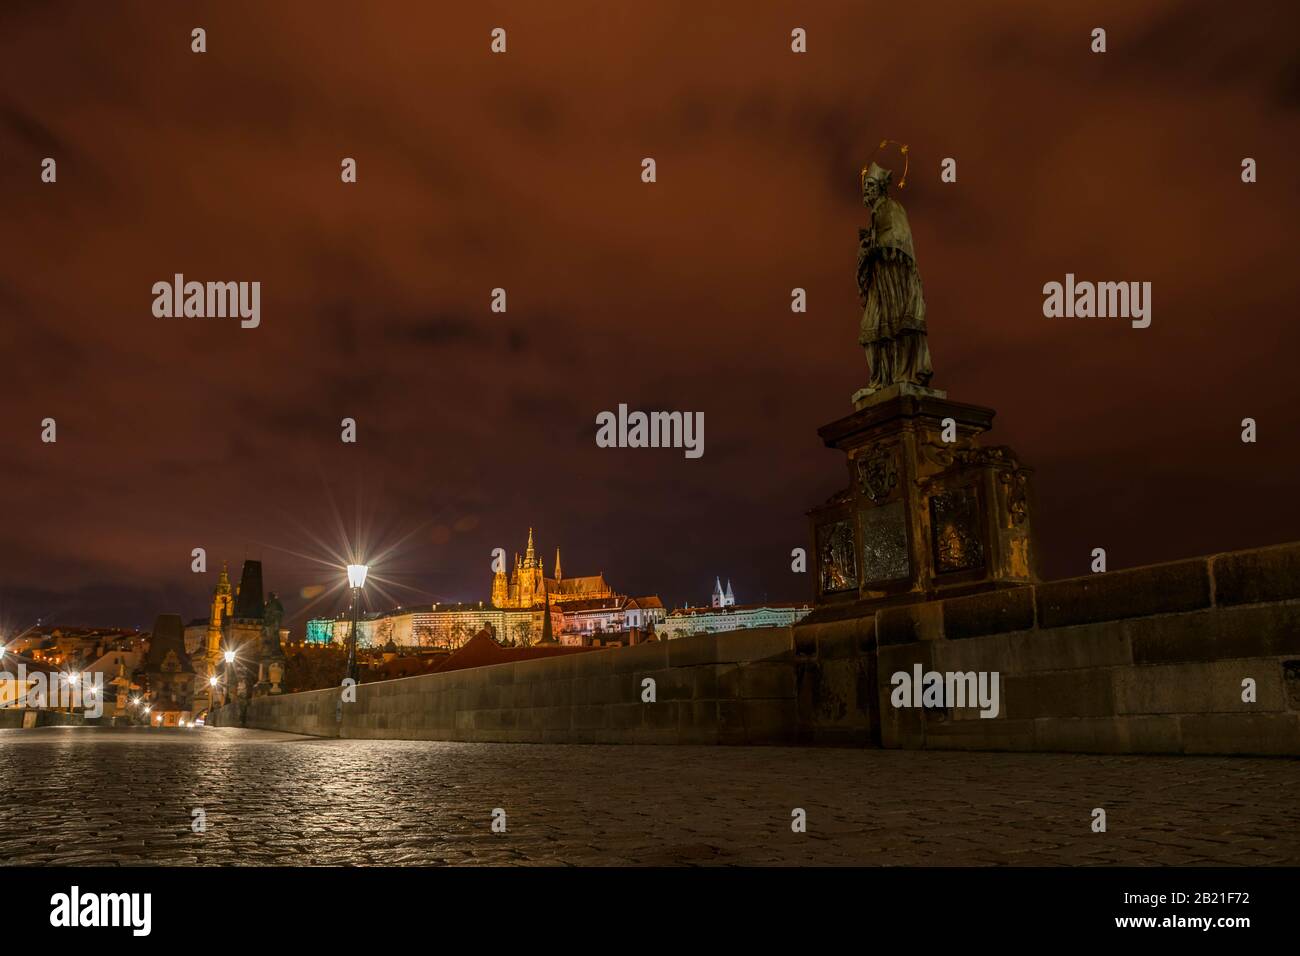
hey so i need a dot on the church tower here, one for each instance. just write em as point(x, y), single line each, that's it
point(558, 576)
point(718, 597)
point(728, 599)
point(500, 589)
point(223, 606)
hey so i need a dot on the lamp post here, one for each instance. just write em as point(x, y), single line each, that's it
point(212, 689)
point(230, 663)
point(356, 581)
point(72, 688)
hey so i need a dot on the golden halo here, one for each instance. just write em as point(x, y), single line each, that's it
point(902, 149)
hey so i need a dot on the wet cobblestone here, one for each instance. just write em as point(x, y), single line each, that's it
point(84, 796)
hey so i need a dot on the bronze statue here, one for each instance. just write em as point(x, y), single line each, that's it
point(893, 314)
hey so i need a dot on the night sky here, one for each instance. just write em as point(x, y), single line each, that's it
point(523, 171)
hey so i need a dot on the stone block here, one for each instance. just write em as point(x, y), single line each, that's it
point(626, 716)
point(652, 656)
point(687, 651)
point(993, 612)
point(848, 637)
point(697, 721)
point(1291, 683)
point(589, 717)
point(756, 644)
point(676, 683)
point(1262, 574)
point(762, 680)
point(1261, 631)
point(704, 681)
point(728, 681)
point(498, 673)
point(1068, 648)
point(770, 721)
point(662, 715)
point(606, 689)
point(1114, 595)
point(1276, 734)
point(834, 694)
point(1198, 688)
point(1081, 693)
point(731, 722)
point(909, 624)
point(901, 658)
point(552, 718)
point(991, 653)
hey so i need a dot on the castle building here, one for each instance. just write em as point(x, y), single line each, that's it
point(687, 621)
point(241, 621)
point(528, 586)
point(724, 614)
point(168, 673)
point(527, 609)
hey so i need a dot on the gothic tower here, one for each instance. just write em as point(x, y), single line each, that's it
point(223, 606)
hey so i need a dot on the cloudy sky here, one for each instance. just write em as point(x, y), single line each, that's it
point(522, 171)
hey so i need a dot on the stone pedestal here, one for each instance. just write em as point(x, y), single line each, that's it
point(922, 517)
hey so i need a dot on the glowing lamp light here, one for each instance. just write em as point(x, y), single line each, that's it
point(230, 657)
point(212, 681)
point(357, 575)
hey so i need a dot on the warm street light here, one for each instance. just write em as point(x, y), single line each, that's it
point(356, 581)
point(71, 681)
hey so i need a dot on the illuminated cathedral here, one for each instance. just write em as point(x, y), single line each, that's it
point(528, 586)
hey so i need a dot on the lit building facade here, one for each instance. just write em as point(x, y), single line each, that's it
point(527, 586)
point(683, 622)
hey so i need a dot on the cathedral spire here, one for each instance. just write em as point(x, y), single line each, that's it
point(529, 555)
point(557, 562)
point(548, 634)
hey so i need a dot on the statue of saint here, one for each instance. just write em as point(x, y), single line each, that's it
point(893, 314)
point(272, 615)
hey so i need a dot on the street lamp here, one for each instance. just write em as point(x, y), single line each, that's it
point(230, 677)
point(71, 680)
point(356, 581)
point(212, 687)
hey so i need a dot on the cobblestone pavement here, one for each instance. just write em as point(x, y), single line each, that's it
point(85, 795)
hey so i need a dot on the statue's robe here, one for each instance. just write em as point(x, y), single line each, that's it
point(893, 315)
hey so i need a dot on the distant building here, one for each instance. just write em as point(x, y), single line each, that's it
point(645, 612)
point(528, 585)
point(686, 621)
point(168, 673)
point(240, 620)
point(723, 598)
